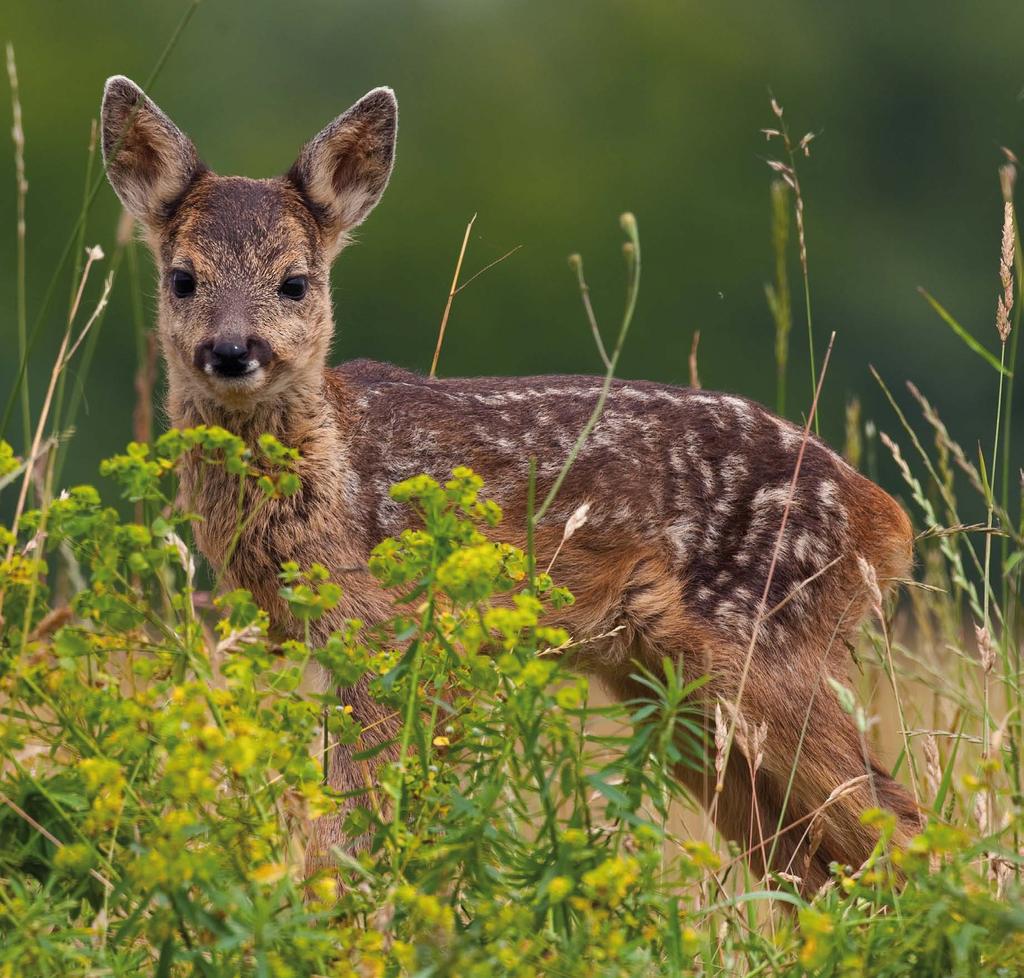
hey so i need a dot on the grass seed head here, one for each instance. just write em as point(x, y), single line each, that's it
point(1004, 304)
point(985, 649)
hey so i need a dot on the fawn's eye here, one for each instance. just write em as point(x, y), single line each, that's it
point(183, 284)
point(294, 287)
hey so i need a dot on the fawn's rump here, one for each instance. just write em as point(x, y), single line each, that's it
point(799, 774)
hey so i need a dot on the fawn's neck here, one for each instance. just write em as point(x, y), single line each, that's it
point(306, 418)
point(298, 417)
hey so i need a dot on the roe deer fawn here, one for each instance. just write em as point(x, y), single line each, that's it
point(686, 488)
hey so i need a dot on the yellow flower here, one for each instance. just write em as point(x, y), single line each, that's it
point(559, 888)
point(269, 873)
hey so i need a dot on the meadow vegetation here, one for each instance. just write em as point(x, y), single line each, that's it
point(161, 755)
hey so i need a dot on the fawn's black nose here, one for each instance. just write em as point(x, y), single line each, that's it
point(229, 358)
point(234, 356)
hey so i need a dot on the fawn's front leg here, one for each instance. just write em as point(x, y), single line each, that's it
point(355, 779)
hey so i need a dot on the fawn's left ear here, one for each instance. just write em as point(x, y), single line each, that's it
point(150, 162)
point(344, 169)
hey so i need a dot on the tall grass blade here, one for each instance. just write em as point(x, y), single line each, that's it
point(964, 335)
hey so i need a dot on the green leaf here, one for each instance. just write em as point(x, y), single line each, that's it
point(1012, 561)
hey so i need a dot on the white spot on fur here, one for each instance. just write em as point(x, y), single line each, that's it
point(828, 493)
point(743, 411)
point(768, 496)
point(789, 435)
point(808, 549)
point(682, 535)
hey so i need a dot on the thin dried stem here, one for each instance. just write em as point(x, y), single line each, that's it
point(47, 834)
point(451, 297)
point(631, 250)
point(762, 605)
point(95, 254)
point(497, 261)
point(788, 173)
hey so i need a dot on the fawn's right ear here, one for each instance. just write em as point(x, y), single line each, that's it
point(345, 168)
point(150, 162)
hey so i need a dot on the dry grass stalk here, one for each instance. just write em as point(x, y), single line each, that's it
point(451, 297)
point(945, 440)
point(816, 817)
point(853, 446)
point(694, 375)
point(981, 813)
point(721, 740)
point(145, 381)
point(797, 588)
point(94, 254)
point(988, 663)
point(788, 173)
point(836, 795)
point(47, 834)
point(1002, 871)
point(842, 790)
point(188, 564)
point(589, 640)
point(742, 731)
point(497, 261)
point(52, 620)
point(897, 455)
point(236, 639)
point(816, 832)
point(1005, 302)
point(776, 550)
point(932, 766)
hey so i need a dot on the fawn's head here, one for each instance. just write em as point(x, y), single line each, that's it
point(244, 265)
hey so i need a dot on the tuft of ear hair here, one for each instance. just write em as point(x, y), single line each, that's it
point(345, 168)
point(149, 161)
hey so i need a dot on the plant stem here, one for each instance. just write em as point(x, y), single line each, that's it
point(632, 250)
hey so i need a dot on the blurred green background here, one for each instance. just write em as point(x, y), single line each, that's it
point(548, 118)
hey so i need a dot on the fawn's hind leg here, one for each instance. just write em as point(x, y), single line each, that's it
point(749, 809)
point(782, 815)
point(816, 759)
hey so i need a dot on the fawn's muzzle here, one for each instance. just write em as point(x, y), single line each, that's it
point(233, 356)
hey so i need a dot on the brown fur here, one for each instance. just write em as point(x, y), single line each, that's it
point(687, 488)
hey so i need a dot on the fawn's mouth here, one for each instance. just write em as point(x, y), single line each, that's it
point(236, 387)
point(232, 371)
